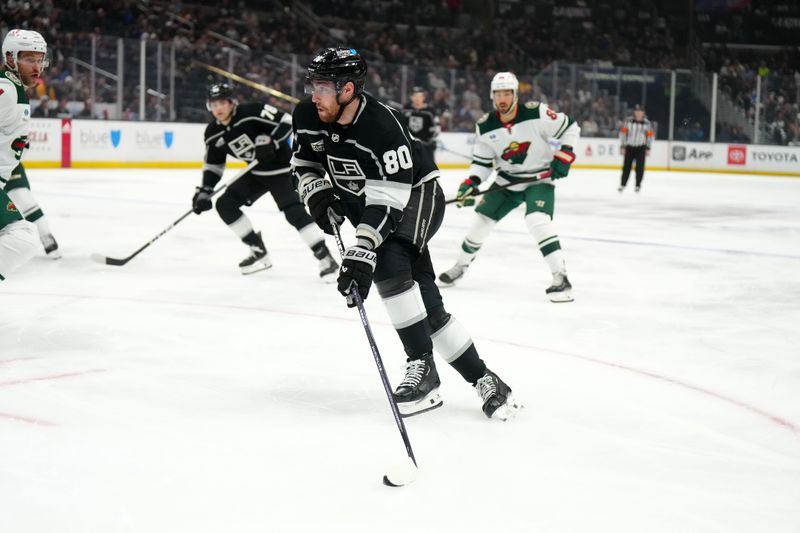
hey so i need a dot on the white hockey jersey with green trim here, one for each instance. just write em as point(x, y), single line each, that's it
point(15, 119)
point(520, 149)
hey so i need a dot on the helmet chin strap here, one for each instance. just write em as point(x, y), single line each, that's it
point(342, 106)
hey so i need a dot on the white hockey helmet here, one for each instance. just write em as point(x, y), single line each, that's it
point(17, 41)
point(504, 81)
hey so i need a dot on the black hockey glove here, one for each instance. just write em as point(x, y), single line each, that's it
point(357, 269)
point(201, 201)
point(317, 194)
point(265, 148)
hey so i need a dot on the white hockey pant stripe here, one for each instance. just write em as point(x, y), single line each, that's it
point(242, 227)
point(451, 341)
point(406, 308)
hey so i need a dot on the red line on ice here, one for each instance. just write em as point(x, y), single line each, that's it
point(18, 418)
point(769, 416)
point(53, 376)
point(776, 419)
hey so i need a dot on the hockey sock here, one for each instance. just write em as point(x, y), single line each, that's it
point(312, 236)
point(409, 318)
point(541, 227)
point(242, 227)
point(475, 238)
point(453, 343)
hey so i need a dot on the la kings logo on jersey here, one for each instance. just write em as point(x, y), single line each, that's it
point(415, 123)
point(243, 147)
point(347, 174)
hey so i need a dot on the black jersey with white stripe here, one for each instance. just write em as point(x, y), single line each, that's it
point(423, 124)
point(373, 163)
point(239, 139)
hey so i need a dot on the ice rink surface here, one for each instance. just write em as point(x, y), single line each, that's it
point(175, 395)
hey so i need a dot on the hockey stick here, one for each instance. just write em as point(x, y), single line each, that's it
point(543, 176)
point(403, 478)
point(252, 84)
point(440, 145)
point(119, 262)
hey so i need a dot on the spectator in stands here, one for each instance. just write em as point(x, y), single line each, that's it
point(62, 111)
point(43, 109)
point(696, 133)
point(86, 112)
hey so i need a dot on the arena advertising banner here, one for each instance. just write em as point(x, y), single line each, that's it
point(45, 142)
point(103, 143)
point(119, 144)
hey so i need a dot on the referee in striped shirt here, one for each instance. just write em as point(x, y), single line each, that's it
point(635, 137)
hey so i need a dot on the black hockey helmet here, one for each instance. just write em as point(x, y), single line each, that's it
point(219, 91)
point(339, 65)
point(417, 89)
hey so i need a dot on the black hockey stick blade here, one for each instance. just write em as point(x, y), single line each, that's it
point(402, 476)
point(103, 260)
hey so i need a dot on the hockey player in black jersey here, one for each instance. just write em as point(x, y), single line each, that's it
point(355, 158)
point(255, 132)
point(422, 122)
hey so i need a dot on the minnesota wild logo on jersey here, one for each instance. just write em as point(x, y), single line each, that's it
point(516, 152)
point(520, 149)
point(11, 207)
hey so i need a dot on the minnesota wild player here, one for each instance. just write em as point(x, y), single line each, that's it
point(515, 141)
point(24, 58)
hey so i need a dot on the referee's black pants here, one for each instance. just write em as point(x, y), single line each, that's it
point(633, 153)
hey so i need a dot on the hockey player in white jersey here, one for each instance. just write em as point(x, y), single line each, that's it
point(17, 185)
point(515, 142)
point(24, 58)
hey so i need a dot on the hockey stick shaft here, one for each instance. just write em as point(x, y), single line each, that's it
point(540, 177)
point(440, 145)
point(120, 262)
point(374, 347)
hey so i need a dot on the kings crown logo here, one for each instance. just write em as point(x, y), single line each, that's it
point(515, 152)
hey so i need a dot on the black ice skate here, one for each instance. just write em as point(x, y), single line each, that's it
point(449, 277)
point(328, 269)
point(419, 390)
point(561, 289)
point(50, 246)
point(258, 259)
point(498, 401)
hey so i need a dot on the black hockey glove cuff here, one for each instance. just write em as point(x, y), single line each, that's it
point(201, 201)
point(317, 194)
point(358, 267)
point(265, 148)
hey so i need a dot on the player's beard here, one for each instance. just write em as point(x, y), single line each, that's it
point(328, 115)
point(29, 80)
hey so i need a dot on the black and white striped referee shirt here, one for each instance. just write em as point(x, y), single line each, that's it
point(635, 133)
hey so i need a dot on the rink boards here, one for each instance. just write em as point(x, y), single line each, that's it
point(65, 143)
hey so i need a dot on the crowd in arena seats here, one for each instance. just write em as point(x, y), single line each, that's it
point(437, 45)
point(780, 89)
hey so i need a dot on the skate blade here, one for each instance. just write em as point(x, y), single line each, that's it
point(54, 255)
point(561, 297)
point(432, 401)
point(255, 267)
point(330, 277)
point(447, 282)
point(508, 410)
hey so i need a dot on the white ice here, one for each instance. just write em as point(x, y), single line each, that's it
point(175, 395)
